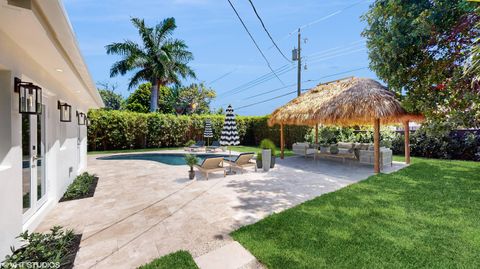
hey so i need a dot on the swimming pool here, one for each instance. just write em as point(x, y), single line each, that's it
point(166, 158)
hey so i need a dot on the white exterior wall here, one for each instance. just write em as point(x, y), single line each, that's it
point(63, 158)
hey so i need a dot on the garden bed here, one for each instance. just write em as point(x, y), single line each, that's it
point(82, 187)
point(57, 249)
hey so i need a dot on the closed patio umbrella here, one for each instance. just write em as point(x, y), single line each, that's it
point(229, 135)
point(208, 132)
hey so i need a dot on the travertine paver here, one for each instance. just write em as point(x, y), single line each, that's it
point(230, 256)
point(144, 209)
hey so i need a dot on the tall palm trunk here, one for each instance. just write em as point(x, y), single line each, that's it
point(154, 96)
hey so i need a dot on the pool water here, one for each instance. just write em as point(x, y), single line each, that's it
point(166, 158)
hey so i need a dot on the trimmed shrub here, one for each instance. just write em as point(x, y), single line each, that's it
point(114, 130)
point(57, 249)
point(82, 187)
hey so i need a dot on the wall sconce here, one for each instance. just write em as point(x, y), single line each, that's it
point(29, 97)
point(65, 112)
point(82, 118)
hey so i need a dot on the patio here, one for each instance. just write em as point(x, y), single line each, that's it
point(144, 209)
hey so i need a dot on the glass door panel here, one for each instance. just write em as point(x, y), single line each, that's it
point(26, 163)
point(40, 157)
point(33, 163)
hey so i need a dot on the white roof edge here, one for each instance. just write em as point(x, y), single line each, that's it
point(68, 41)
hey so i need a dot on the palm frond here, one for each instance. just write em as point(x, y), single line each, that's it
point(139, 77)
point(164, 30)
point(127, 47)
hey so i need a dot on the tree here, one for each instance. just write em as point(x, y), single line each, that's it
point(111, 99)
point(160, 59)
point(472, 67)
point(139, 100)
point(193, 99)
point(419, 48)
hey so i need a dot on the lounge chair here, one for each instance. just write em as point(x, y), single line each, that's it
point(197, 146)
point(242, 161)
point(209, 165)
point(214, 146)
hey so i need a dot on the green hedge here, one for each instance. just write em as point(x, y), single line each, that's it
point(113, 130)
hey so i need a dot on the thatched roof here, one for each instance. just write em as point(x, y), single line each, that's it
point(355, 101)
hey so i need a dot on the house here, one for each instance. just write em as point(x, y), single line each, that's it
point(45, 93)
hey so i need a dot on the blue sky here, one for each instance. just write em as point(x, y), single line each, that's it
point(222, 48)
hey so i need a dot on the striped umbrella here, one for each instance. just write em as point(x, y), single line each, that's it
point(229, 136)
point(208, 132)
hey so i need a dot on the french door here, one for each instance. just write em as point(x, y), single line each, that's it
point(34, 187)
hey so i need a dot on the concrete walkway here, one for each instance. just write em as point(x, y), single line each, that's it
point(144, 209)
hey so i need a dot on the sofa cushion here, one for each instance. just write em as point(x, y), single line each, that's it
point(300, 144)
point(344, 145)
point(345, 151)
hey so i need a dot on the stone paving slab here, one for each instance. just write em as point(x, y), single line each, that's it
point(230, 256)
point(142, 210)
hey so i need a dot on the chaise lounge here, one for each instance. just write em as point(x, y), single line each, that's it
point(197, 146)
point(242, 161)
point(214, 146)
point(210, 165)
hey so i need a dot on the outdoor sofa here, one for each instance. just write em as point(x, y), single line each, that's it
point(304, 149)
point(361, 152)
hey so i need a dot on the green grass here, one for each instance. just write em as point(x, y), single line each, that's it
point(129, 150)
point(287, 152)
point(424, 216)
point(178, 260)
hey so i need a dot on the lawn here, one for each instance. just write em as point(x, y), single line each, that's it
point(287, 152)
point(424, 216)
point(178, 260)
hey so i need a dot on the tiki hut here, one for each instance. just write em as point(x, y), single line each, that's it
point(348, 102)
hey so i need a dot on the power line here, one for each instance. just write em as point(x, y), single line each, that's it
point(254, 42)
point(268, 33)
point(221, 77)
point(327, 16)
point(270, 91)
point(261, 82)
point(264, 101)
point(258, 79)
point(292, 92)
point(266, 77)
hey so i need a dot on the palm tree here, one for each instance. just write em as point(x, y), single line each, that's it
point(161, 59)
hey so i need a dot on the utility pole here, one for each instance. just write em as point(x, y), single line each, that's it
point(299, 71)
point(297, 56)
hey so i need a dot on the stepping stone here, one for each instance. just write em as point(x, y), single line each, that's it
point(230, 256)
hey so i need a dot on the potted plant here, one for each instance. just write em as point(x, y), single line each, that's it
point(191, 160)
point(268, 154)
point(259, 159)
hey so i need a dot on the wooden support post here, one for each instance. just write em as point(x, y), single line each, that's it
point(282, 143)
point(407, 141)
point(316, 134)
point(376, 146)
